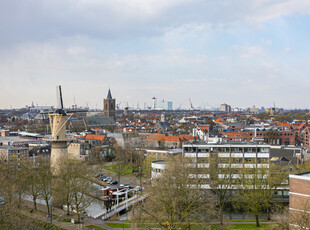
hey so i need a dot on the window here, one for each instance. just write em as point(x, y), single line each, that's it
point(236, 160)
point(248, 160)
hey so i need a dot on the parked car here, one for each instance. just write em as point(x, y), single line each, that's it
point(107, 179)
point(124, 185)
point(1, 200)
point(102, 178)
point(113, 182)
point(98, 175)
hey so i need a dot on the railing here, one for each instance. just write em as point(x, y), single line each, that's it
point(119, 207)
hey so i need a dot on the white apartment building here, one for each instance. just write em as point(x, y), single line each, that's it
point(238, 158)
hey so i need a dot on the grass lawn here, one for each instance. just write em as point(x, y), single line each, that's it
point(248, 220)
point(147, 226)
point(244, 226)
point(252, 226)
point(127, 170)
point(94, 227)
point(140, 221)
point(118, 225)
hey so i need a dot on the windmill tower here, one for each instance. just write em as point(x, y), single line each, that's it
point(58, 128)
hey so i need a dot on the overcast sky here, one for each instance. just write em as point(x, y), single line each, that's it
point(240, 52)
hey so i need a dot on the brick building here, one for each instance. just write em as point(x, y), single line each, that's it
point(282, 137)
point(300, 201)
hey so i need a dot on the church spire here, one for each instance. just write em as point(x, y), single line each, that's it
point(109, 95)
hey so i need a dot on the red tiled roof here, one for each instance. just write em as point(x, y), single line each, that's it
point(284, 124)
point(299, 127)
point(164, 137)
point(95, 137)
point(218, 120)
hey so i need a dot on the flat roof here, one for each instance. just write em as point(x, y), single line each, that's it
point(159, 162)
point(9, 147)
point(17, 138)
point(301, 176)
point(227, 144)
point(165, 150)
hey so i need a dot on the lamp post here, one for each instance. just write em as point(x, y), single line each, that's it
point(140, 177)
point(51, 217)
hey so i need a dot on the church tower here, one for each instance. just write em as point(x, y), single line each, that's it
point(109, 106)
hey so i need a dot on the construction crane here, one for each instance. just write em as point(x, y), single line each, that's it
point(118, 105)
point(179, 108)
point(190, 102)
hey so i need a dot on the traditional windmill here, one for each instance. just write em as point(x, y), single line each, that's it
point(59, 139)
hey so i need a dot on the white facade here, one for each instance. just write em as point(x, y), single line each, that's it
point(157, 168)
point(235, 157)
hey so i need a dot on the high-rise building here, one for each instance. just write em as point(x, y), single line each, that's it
point(164, 105)
point(225, 108)
point(109, 106)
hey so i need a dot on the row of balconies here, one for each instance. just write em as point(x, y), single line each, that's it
point(240, 155)
point(245, 165)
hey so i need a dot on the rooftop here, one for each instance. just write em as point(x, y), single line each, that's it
point(9, 147)
point(159, 162)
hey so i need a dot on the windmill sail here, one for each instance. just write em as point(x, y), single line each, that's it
point(59, 97)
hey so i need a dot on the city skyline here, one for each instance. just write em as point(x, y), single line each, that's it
point(242, 53)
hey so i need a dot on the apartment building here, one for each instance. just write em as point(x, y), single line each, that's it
point(11, 152)
point(279, 137)
point(238, 157)
point(162, 154)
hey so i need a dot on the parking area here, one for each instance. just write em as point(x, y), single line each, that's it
point(114, 184)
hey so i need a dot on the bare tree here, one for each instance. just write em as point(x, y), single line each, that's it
point(122, 161)
point(276, 177)
point(299, 214)
point(222, 176)
point(45, 182)
point(253, 194)
point(62, 184)
point(33, 187)
point(10, 213)
point(174, 196)
point(79, 186)
point(19, 179)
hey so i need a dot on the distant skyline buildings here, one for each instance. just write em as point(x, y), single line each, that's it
point(238, 52)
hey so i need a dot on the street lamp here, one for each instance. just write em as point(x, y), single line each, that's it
point(140, 177)
point(123, 219)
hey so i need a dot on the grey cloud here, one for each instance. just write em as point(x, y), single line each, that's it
point(37, 20)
